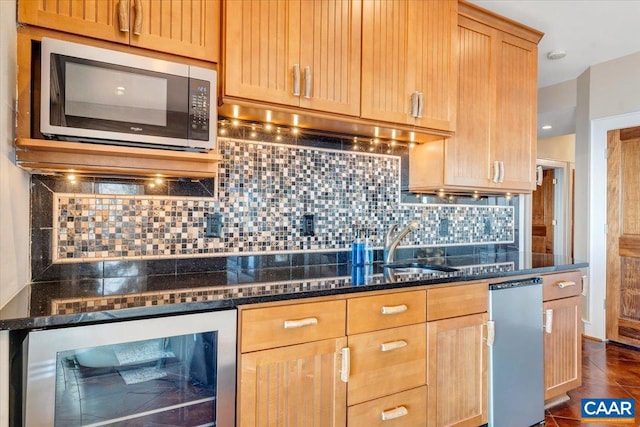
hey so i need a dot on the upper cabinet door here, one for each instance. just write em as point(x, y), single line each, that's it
point(262, 50)
point(433, 39)
point(182, 27)
point(408, 62)
point(330, 55)
point(468, 153)
point(514, 139)
point(94, 18)
point(187, 28)
point(301, 54)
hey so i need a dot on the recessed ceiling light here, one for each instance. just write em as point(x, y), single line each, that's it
point(557, 54)
point(546, 127)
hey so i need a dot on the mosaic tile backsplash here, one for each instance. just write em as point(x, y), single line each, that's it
point(265, 191)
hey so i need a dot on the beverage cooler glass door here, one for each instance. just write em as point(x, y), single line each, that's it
point(168, 371)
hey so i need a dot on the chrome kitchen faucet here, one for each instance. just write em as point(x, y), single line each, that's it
point(391, 245)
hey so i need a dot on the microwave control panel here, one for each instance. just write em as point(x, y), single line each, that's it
point(200, 94)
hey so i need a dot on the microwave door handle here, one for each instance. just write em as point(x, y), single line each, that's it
point(123, 16)
point(137, 23)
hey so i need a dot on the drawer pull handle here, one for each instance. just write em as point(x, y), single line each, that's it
point(394, 309)
point(291, 324)
point(394, 413)
point(393, 345)
point(565, 284)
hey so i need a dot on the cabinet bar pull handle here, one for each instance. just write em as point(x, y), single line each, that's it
point(491, 332)
point(548, 320)
point(501, 171)
point(345, 368)
point(565, 284)
point(307, 82)
point(296, 79)
point(137, 23)
point(393, 309)
point(393, 345)
point(291, 324)
point(420, 104)
point(414, 104)
point(496, 171)
point(123, 15)
point(394, 413)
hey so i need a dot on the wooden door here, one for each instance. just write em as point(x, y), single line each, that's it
point(467, 153)
point(432, 45)
point(562, 347)
point(542, 214)
point(91, 18)
point(514, 129)
point(189, 28)
point(623, 236)
point(457, 371)
point(296, 385)
point(330, 48)
point(387, 82)
point(262, 46)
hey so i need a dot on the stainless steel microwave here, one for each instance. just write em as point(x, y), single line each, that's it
point(100, 95)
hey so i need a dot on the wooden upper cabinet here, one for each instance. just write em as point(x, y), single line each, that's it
point(514, 138)
point(409, 64)
point(295, 53)
point(494, 147)
point(94, 18)
point(188, 28)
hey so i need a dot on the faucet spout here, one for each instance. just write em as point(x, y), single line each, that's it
point(391, 244)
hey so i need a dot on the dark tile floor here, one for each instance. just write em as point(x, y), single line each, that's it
point(608, 371)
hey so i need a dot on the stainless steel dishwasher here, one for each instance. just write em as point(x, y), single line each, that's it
point(516, 364)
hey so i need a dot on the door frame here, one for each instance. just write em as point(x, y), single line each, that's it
point(562, 207)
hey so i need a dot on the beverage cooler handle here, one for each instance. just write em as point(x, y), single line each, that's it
point(137, 23)
point(123, 16)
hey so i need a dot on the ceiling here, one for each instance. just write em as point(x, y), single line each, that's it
point(590, 31)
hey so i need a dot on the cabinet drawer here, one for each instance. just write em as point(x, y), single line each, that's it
point(377, 312)
point(454, 301)
point(291, 324)
point(561, 285)
point(405, 409)
point(386, 362)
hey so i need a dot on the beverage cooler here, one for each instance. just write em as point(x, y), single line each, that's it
point(168, 371)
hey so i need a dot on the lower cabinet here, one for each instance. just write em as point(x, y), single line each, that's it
point(563, 333)
point(296, 385)
point(457, 373)
point(404, 358)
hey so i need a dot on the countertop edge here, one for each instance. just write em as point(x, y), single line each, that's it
point(77, 319)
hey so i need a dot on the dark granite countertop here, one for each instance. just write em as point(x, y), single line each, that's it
point(128, 290)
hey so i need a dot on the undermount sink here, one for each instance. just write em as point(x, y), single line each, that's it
point(416, 267)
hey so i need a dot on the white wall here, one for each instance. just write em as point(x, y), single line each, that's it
point(608, 98)
point(14, 194)
point(14, 188)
